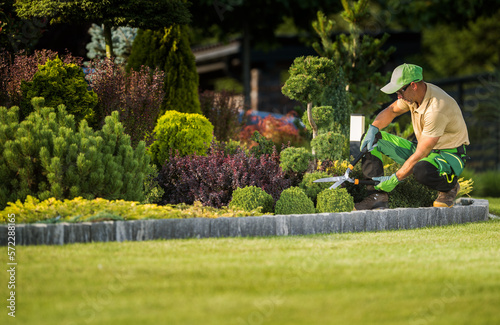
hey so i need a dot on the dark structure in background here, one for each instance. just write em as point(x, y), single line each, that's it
point(269, 68)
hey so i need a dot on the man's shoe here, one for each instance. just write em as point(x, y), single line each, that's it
point(377, 200)
point(446, 199)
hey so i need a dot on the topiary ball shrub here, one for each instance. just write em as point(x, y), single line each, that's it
point(60, 83)
point(183, 133)
point(335, 200)
point(295, 159)
point(313, 189)
point(250, 198)
point(294, 200)
point(330, 146)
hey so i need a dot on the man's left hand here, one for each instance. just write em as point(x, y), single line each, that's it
point(387, 183)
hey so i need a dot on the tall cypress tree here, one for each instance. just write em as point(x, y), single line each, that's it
point(169, 50)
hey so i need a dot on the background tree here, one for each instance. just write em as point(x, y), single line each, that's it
point(254, 20)
point(169, 50)
point(360, 56)
point(110, 13)
point(123, 38)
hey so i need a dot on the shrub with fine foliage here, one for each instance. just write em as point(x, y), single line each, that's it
point(18, 67)
point(335, 200)
point(295, 159)
point(250, 198)
point(47, 155)
point(313, 189)
point(294, 200)
point(181, 132)
point(60, 83)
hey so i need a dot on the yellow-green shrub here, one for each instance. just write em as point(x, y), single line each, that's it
point(185, 133)
point(294, 200)
point(80, 210)
point(335, 200)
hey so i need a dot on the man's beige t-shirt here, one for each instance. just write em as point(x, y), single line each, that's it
point(438, 116)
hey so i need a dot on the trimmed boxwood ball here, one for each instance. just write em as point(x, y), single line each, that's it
point(295, 159)
point(313, 189)
point(294, 200)
point(250, 198)
point(335, 200)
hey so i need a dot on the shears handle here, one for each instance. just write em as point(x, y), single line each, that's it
point(365, 182)
point(358, 157)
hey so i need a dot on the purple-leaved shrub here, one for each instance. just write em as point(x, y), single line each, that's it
point(137, 95)
point(211, 179)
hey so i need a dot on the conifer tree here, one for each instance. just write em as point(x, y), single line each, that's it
point(360, 56)
point(47, 155)
point(169, 50)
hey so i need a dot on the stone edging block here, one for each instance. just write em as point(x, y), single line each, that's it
point(267, 225)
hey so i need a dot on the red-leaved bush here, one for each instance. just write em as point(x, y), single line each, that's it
point(212, 179)
point(18, 67)
point(280, 131)
point(136, 95)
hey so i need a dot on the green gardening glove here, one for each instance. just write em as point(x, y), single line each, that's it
point(387, 183)
point(369, 138)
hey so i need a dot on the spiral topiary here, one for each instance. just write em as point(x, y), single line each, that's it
point(335, 200)
point(294, 200)
point(250, 198)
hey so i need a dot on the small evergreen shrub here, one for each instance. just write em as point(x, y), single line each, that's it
point(60, 83)
point(211, 179)
point(18, 67)
point(152, 190)
point(46, 155)
point(263, 146)
point(313, 189)
point(295, 159)
point(250, 198)
point(181, 132)
point(335, 200)
point(410, 193)
point(294, 200)
point(330, 146)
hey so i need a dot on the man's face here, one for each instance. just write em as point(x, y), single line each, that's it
point(404, 93)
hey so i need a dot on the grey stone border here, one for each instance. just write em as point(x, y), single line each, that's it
point(278, 225)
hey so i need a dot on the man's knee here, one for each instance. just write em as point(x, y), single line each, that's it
point(424, 171)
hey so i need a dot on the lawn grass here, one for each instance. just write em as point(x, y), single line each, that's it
point(442, 275)
point(494, 205)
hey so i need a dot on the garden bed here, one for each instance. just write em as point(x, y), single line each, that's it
point(467, 210)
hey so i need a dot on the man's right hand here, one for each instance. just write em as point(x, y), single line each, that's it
point(369, 138)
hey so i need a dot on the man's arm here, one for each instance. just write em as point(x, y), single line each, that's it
point(386, 117)
point(424, 148)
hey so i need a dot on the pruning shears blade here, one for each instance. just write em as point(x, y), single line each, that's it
point(330, 179)
point(338, 183)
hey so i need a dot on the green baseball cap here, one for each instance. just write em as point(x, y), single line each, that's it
point(401, 76)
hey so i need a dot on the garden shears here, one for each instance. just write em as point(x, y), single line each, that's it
point(338, 180)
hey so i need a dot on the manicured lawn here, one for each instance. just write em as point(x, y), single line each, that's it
point(446, 275)
point(494, 205)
